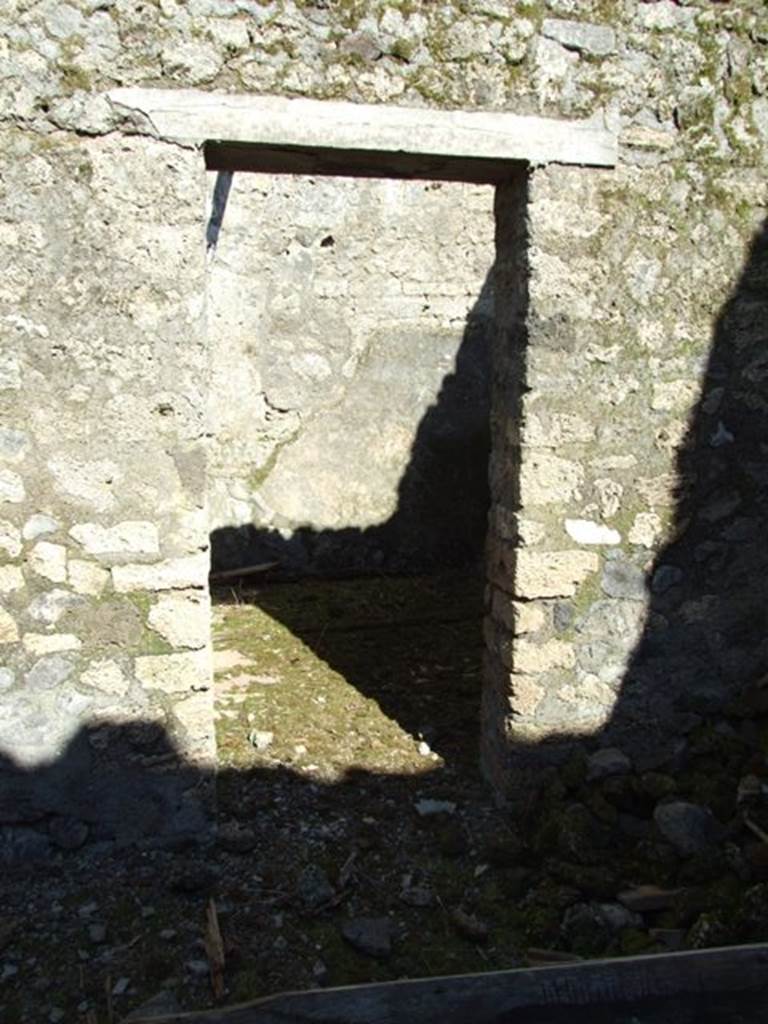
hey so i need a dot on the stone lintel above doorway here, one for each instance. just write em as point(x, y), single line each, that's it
point(274, 133)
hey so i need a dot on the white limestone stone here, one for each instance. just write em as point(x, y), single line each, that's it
point(552, 573)
point(9, 631)
point(10, 539)
point(127, 538)
point(49, 560)
point(182, 619)
point(11, 487)
point(50, 643)
point(11, 578)
point(194, 116)
point(175, 673)
point(106, 676)
point(87, 578)
point(14, 445)
point(585, 531)
point(531, 658)
point(172, 574)
point(646, 529)
point(38, 525)
point(548, 479)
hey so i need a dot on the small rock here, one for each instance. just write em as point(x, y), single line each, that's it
point(688, 827)
point(469, 926)
point(417, 895)
point(97, 932)
point(199, 968)
point(424, 748)
point(88, 909)
point(56, 1015)
point(618, 917)
point(361, 44)
point(427, 807)
point(235, 839)
point(369, 935)
point(261, 739)
point(121, 986)
point(622, 579)
point(68, 833)
point(314, 888)
point(648, 897)
point(607, 762)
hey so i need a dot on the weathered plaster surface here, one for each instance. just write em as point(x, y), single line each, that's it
point(350, 327)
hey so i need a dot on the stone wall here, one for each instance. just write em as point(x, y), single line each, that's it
point(349, 331)
point(626, 554)
point(105, 621)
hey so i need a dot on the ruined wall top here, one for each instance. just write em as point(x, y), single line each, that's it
point(676, 80)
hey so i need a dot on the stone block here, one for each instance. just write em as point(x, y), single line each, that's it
point(583, 36)
point(39, 644)
point(123, 540)
point(175, 673)
point(87, 578)
point(172, 574)
point(584, 531)
point(11, 487)
point(38, 525)
point(106, 676)
point(49, 560)
point(552, 573)
point(531, 658)
point(183, 619)
point(10, 539)
point(9, 631)
point(547, 479)
point(11, 578)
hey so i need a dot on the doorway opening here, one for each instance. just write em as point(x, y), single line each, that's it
point(351, 323)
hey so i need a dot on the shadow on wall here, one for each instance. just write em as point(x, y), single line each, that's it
point(699, 668)
point(442, 498)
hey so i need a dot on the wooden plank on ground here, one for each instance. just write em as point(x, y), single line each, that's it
point(712, 986)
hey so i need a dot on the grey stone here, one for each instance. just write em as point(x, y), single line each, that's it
point(597, 40)
point(607, 762)
point(369, 935)
point(19, 846)
point(618, 917)
point(49, 672)
point(690, 828)
point(314, 888)
point(38, 525)
point(624, 580)
point(7, 679)
point(68, 833)
point(50, 606)
point(362, 44)
point(426, 807)
point(665, 577)
point(13, 444)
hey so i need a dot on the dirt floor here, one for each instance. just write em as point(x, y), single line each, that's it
point(356, 840)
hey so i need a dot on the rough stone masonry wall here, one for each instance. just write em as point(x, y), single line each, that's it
point(350, 326)
point(629, 271)
point(104, 684)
